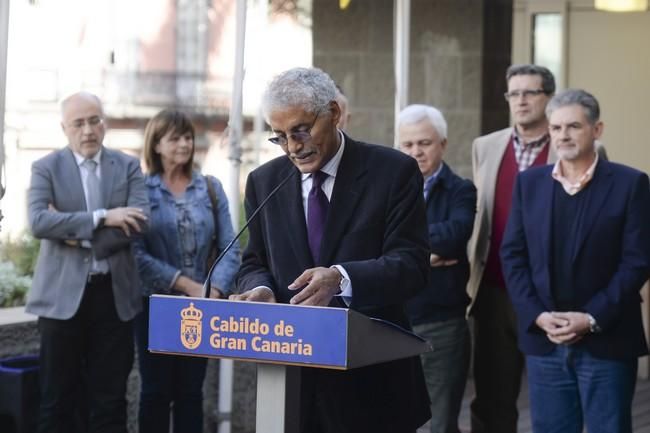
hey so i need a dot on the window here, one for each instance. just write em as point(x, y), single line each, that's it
point(547, 42)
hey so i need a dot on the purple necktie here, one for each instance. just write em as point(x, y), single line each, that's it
point(317, 204)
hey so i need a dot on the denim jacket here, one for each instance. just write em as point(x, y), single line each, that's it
point(159, 252)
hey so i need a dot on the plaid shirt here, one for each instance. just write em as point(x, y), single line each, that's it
point(525, 153)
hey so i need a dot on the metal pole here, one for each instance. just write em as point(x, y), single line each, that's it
point(260, 36)
point(401, 29)
point(4, 43)
point(235, 126)
point(271, 398)
point(278, 399)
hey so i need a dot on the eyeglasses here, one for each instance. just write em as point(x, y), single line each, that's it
point(298, 136)
point(91, 121)
point(515, 94)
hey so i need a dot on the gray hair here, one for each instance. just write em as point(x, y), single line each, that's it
point(308, 88)
point(416, 112)
point(576, 97)
point(548, 80)
point(341, 98)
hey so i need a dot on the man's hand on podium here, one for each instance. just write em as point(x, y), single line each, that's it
point(258, 294)
point(319, 285)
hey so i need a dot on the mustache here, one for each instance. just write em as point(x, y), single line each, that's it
point(302, 154)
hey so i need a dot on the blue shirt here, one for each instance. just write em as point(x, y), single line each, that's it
point(428, 182)
point(163, 253)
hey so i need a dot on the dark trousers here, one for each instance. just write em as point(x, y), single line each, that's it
point(445, 370)
point(330, 401)
point(498, 363)
point(94, 349)
point(168, 381)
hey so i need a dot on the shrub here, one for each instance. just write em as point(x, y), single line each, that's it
point(17, 260)
point(13, 286)
point(22, 252)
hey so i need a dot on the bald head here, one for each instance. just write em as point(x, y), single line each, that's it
point(82, 121)
point(75, 98)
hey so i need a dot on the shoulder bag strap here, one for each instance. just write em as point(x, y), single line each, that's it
point(213, 199)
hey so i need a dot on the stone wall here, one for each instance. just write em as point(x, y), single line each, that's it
point(448, 40)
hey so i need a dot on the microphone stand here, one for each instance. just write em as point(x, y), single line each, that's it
point(207, 286)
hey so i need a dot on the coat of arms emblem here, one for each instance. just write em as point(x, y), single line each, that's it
point(191, 326)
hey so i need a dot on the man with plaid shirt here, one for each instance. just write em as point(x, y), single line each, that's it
point(497, 158)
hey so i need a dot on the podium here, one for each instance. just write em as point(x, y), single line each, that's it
point(276, 336)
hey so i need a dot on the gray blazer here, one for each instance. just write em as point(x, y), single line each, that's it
point(61, 270)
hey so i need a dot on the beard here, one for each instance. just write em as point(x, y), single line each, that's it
point(568, 153)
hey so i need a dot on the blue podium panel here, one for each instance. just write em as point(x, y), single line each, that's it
point(261, 332)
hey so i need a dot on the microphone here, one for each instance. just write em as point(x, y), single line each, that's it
point(206, 285)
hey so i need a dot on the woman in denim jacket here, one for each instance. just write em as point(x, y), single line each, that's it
point(171, 260)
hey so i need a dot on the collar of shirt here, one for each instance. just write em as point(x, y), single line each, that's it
point(83, 171)
point(532, 144)
point(155, 181)
point(574, 188)
point(97, 158)
point(429, 181)
point(331, 168)
point(526, 153)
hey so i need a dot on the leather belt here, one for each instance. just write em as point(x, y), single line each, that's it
point(98, 278)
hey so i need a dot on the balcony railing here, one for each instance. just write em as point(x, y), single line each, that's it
point(192, 91)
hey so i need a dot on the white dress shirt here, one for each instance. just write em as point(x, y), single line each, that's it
point(98, 266)
point(331, 168)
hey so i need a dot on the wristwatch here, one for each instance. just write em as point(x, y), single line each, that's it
point(593, 326)
point(343, 282)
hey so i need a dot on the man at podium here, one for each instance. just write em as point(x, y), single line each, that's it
point(346, 230)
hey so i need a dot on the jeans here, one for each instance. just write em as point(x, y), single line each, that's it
point(569, 385)
point(168, 381)
point(445, 370)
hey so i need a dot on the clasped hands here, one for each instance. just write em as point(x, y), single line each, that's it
point(436, 261)
point(564, 327)
point(319, 285)
point(195, 289)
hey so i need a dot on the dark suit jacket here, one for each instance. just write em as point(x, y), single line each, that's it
point(450, 207)
point(376, 230)
point(611, 258)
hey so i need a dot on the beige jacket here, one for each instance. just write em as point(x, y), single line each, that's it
point(487, 153)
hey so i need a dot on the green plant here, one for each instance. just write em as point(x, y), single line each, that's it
point(17, 260)
point(13, 286)
point(243, 240)
point(22, 252)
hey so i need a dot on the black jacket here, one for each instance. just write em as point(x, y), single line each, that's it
point(375, 229)
point(450, 208)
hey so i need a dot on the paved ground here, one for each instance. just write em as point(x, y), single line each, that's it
point(640, 411)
